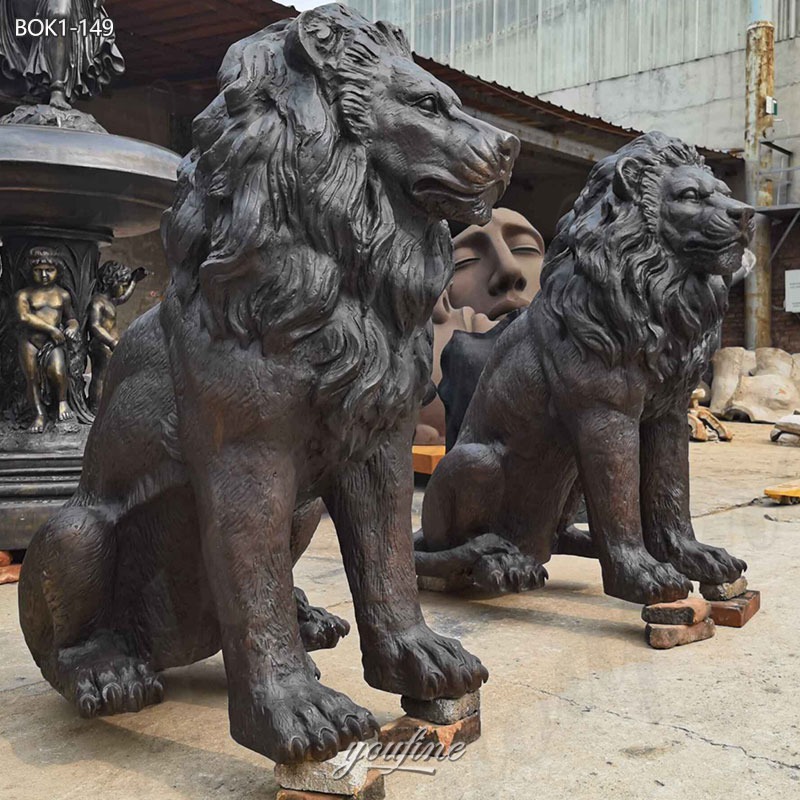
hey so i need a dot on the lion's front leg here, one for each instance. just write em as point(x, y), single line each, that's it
point(277, 707)
point(666, 516)
point(607, 443)
point(371, 506)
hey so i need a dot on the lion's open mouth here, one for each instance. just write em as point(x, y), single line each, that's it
point(711, 247)
point(455, 191)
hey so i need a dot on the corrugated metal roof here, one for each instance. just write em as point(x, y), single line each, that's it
point(185, 41)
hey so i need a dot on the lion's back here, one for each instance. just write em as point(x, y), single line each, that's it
point(126, 441)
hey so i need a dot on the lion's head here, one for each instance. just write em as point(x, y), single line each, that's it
point(312, 202)
point(642, 263)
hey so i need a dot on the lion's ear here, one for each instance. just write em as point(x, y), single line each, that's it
point(626, 179)
point(393, 33)
point(321, 38)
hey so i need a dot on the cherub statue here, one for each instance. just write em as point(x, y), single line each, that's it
point(46, 321)
point(115, 285)
point(74, 60)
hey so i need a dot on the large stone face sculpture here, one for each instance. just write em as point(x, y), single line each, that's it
point(593, 380)
point(286, 363)
point(497, 271)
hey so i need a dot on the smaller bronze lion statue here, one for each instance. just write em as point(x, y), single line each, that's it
point(592, 381)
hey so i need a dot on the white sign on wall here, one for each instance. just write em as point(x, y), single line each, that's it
point(792, 301)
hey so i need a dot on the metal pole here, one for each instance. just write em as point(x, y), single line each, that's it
point(760, 83)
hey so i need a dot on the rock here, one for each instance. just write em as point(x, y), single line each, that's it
point(454, 583)
point(10, 574)
point(728, 368)
point(318, 776)
point(664, 637)
point(737, 612)
point(373, 789)
point(683, 612)
point(724, 591)
point(442, 711)
point(5, 558)
point(403, 730)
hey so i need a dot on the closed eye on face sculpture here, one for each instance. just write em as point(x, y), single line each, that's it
point(451, 165)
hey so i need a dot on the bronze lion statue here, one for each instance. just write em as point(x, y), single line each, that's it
point(287, 363)
point(591, 383)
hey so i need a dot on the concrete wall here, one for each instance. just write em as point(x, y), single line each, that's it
point(701, 101)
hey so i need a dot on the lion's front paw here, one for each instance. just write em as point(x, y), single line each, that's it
point(299, 720)
point(508, 572)
point(634, 575)
point(704, 563)
point(422, 664)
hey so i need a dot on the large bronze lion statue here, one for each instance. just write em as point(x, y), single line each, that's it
point(592, 382)
point(286, 364)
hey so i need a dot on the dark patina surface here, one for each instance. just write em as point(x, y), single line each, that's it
point(592, 381)
point(286, 364)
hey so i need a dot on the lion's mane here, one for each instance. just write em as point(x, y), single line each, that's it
point(613, 285)
point(285, 227)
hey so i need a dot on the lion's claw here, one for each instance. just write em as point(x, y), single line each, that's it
point(422, 664)
point(508, 572)
point(319, 629)
point(298, 720)
point(116, 685)
point(634, 575)
point(703, 562)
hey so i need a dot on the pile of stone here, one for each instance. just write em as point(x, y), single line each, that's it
point(695, 619)
point(682, 622)
point(431, 730)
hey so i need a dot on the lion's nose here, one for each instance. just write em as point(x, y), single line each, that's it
point(741, 212)
point(508, 149)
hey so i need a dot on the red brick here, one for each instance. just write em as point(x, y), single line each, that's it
point(736, 613)
point(401, 730)
point(682, 612)
point(10, 574)
point(664, 637)
point(373, 790)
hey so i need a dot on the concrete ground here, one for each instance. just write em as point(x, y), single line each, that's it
point(577, 705)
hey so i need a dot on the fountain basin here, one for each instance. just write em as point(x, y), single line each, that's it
point(93, 182)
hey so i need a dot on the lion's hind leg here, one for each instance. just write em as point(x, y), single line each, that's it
point(462, 503)
point(66, 599)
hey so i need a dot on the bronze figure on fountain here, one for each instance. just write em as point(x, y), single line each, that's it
point(75, 58)
point(45, 320)
point(115, 286)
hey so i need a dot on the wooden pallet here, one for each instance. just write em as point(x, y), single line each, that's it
point(427, 457)
point(785, 493)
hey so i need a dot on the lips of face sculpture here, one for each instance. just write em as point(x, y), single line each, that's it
point(497, 265)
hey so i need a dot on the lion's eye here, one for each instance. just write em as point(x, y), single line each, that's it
point(689, 194)
point(428, 104)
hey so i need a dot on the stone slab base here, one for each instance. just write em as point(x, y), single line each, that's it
point(736, 613)
point(373, 789)
point(665, 637)
point(682, 612)
point(442, 711)
point(406, 728)
point(444, 585)
point(724, 591)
